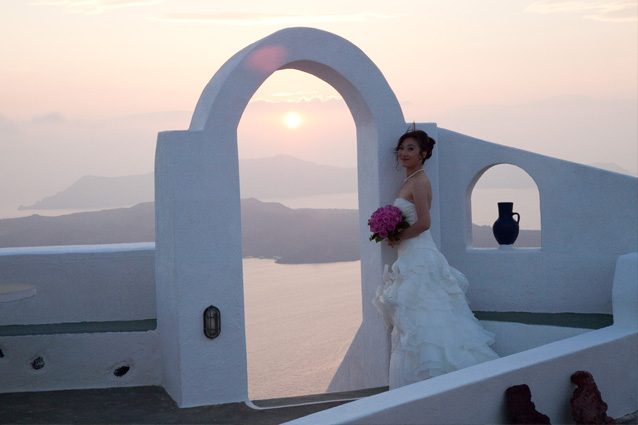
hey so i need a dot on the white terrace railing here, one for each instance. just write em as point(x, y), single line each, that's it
point(477, 394)
point(105, 314)
point(91, 319)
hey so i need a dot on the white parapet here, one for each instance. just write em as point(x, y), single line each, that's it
point(625, 291)
point(90, 324)
point(477, 394)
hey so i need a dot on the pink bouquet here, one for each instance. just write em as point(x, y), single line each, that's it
point(386, 223)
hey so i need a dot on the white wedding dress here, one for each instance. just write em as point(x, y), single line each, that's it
point(423, 302)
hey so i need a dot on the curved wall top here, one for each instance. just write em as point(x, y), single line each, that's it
point(325, 55)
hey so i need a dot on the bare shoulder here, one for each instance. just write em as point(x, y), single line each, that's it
point(421, 180)
point(422, 189)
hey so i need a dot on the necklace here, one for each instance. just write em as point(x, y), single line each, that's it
point(406, 179)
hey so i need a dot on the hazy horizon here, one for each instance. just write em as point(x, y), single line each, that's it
point(500, 183)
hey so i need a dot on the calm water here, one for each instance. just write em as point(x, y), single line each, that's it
point(484, 204)
point(300, 321)
point(484, 209)
point(8, 212)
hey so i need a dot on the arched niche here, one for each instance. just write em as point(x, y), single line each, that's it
point(198, 214)
point(503, 182)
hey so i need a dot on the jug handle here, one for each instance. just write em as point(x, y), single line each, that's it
point(518, 217)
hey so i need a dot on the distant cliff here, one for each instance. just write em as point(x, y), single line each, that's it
point(280, 176)
point(269, 230)
point(120, 225)
point(91, 192)
point(299, 235)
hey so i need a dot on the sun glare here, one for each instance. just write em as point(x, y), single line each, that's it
point(292, 120)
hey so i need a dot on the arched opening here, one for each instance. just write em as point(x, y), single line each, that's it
point(198, 212)
point(505, 183)
point(300, 246)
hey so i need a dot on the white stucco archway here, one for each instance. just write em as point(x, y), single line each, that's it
point(198, 216)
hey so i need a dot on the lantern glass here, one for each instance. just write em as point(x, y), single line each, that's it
point(212, 322)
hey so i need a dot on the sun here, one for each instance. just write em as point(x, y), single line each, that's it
point(292, 120)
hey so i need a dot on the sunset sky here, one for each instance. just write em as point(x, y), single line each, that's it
point(85, 85)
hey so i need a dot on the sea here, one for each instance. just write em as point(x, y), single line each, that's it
point(300, 322)
point(484, 204)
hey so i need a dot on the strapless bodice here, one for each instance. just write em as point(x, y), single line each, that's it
point(423, 240)
point(407, 209)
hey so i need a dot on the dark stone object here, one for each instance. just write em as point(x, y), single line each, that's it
point(505, 228)
point(1, 353)
point(121, 371)
point(521, 408)
point(37, 363)
point(587, 404)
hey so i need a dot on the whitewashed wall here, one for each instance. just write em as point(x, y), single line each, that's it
point(91, 283)
point(572, 272)
point(79, 289)
point(79, 361)
point(589, 217)
point(477, 394)
point(107, 283)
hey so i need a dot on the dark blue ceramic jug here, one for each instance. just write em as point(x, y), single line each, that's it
point(505, 228)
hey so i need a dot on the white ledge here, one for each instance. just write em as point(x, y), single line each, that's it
point(78, 249)
point(503, 249)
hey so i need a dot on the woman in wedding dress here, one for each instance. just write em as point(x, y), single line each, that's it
point(433, 330)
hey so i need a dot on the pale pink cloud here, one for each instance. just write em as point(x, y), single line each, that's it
point(14, 68)
point(296, 97)
point(49, 118)
point(599, 10)
point(94, 7)
point(241, 18)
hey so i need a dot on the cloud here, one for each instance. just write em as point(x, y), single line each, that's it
point(241, 18)
point(296, 97)
point(598, 10)
point(50, 118)
point(94, 7)
point(14, 68)
point(7, 126)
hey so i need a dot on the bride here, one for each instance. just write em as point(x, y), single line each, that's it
point(433, 330)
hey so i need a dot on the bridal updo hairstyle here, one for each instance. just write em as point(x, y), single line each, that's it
point(426, 143)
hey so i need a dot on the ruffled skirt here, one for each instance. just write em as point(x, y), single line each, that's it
point(423, 303)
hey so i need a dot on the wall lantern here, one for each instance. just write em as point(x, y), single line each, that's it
point(212, 322)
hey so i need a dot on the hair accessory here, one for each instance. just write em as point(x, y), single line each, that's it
point(411, 127)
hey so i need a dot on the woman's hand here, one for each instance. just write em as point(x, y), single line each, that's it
point(392, 244)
